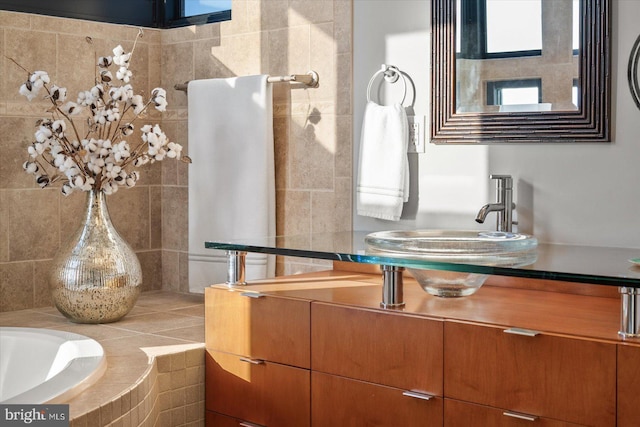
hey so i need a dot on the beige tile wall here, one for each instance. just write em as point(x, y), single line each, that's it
point(312, 131)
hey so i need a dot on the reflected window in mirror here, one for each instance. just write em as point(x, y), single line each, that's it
point(484, 51)
point(503, 40)
point(514, 92)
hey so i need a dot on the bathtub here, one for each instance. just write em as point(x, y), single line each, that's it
point(46, 366)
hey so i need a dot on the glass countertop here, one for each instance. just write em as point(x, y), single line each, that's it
point(584, 264)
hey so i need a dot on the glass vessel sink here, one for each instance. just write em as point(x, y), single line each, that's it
point(490, 248)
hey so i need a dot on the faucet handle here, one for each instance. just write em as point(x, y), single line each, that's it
point(503, 181)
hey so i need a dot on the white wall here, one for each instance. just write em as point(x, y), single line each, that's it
point(586, 194)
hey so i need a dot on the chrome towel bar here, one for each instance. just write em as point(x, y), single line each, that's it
point(311, 79)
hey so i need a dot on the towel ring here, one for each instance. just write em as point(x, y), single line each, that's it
point(391, 74)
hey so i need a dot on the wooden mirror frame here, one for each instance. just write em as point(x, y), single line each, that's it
point(589, 123)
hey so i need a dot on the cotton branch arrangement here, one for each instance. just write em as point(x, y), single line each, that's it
point(102, 157)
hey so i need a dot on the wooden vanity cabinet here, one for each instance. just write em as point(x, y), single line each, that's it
point(628, 385)
point(329, 357)
point(562, 378)
point(257, 359)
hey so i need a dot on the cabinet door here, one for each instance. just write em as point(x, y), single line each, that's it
point(263, 327)
point(458, 414)
point(563, 378)
point(260, 392)
point(338, 401)
point(628, 385)
point(397, 350)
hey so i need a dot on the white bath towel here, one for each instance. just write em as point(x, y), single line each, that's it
point(231, 179)
point(383, 172)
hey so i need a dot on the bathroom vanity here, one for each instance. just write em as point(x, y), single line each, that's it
point(319, 350)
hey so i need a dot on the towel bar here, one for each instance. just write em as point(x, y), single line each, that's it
point(310, 79)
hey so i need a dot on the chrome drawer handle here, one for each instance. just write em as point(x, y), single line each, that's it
point(417, 395)
point(252, 294)
point(520, 331)
point(248, 424)
point(252, 361)
point(520, 416)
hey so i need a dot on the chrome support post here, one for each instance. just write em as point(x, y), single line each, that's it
point(392, 292)
point(236, 268)
point(630, 313)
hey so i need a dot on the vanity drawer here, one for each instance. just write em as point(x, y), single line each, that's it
point(458, 414)
point(398, 350)
point(339, 401)
point(260, 392)
point(557, 377)
point(258, 326)
point(628, 385)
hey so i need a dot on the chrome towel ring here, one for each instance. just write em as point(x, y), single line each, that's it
point(391, 74)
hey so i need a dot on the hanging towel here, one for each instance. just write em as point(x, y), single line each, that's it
point(231, 179)
point(383, 172)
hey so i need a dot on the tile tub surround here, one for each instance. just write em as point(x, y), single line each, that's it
point(155, 362)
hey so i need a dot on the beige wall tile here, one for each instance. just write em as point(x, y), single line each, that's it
point(4, 226)
point(184, 271)
point(323, 61)
point(312, 152)
point(155, 217)
point(342, 19)
point(237, 55)
point(289, 51)
point(303, 12)
point(33, 215)
point(274, 14)
point(293, 212)
point(41, 291)
point(76, 65)
point(174, 218)
point(16, 286)
point(344, 94)
point(33, 50)
point(171, 270)
point(344, 150)
point(151, 263)
point(177, 67)
point(14, 19)
point(17, 134)
point(3, 64)
point(281, 151)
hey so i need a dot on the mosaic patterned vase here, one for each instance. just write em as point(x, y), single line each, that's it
point(96, 276)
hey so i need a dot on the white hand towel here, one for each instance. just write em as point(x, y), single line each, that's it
point(383, 172)
point(231, 179)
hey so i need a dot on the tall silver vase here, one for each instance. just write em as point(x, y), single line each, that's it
point(96, 275)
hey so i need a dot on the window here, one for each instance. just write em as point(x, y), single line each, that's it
point(498, 28)
point(179, 13)
point(514, 92)
point(513, 26)
point(145, 13)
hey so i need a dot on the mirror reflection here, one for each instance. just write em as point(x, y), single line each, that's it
point(517, 55)
point(548, 81)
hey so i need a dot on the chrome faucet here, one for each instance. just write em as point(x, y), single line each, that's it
point(504, 204)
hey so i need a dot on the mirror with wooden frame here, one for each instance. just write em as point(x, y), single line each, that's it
point(547, 80)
